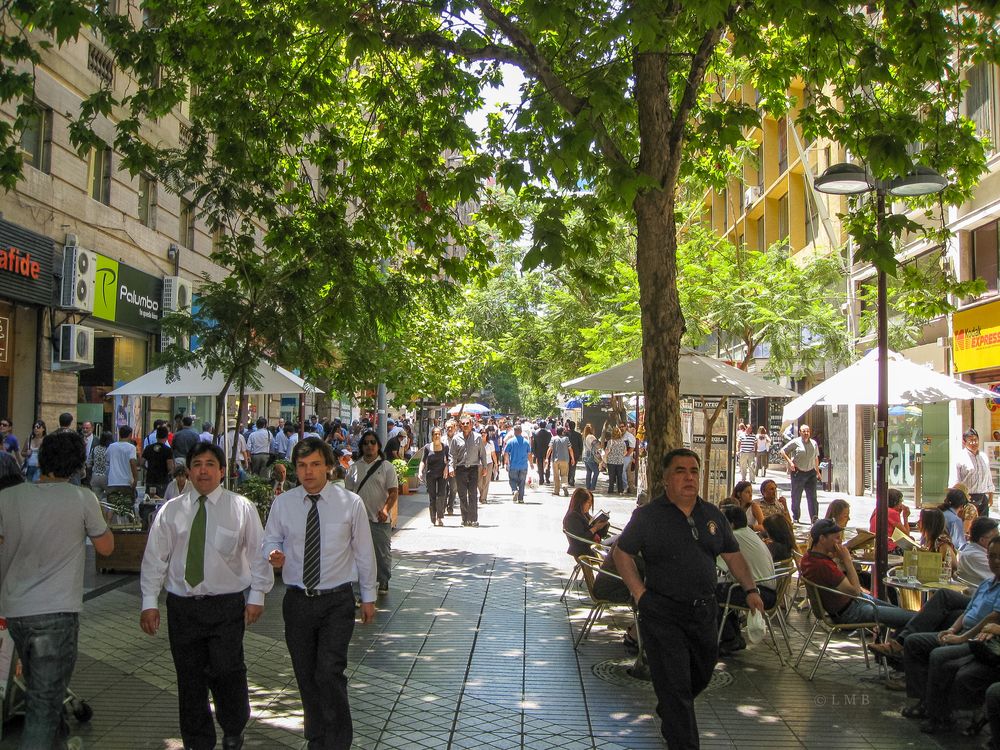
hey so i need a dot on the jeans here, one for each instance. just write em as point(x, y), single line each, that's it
point(517, 479)
point(593, 472)
point(616, 481)
point(436, 491)
point(382, 541)
point(864, 611)
point(32, 473)
point(47, 647)
point(804, 480)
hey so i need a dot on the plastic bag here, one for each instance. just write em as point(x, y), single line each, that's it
point(756, 627)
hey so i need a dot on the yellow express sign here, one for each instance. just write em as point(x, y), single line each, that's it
point(977, 338)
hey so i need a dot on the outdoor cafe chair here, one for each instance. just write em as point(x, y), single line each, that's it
point(821, 617)
point(590, 567)
point(780, 581)
point(597, 547)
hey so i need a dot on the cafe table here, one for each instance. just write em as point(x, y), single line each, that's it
point(913, 593)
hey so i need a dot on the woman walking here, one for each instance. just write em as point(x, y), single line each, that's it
point(614, 457)
point(433, 466)
point(591, 456)
point(763, 448)
point(30, 451)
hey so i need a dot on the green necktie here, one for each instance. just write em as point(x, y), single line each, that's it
point(194, 568)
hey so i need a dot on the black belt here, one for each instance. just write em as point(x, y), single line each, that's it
point(320, 592)
point(978, 494)
point(692, 602)
point(201, 597)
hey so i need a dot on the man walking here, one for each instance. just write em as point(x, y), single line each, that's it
point(184, 440)
point(679, 536)
point(123, 465)
point(470, 464)
point(259, 445)
point(559, 457)
point(158, 461)
point(802, 456)
point(319, 534)
point(43, 528)
point(746, 454)
point(8, 440)
point(576, 443)
point(540, 449)
point(973, 470)
point(204, 547)
point(517, 457)
point(374, 479)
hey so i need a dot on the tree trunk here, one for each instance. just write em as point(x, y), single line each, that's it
point(241, 409)
point(220, 406)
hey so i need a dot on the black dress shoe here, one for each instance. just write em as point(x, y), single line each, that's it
point(232, 743)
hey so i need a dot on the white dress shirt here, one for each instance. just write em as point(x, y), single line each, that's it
point(973, 563)
point(346, 551)
point(259, 441)
point(973, 470)
point(233, 559)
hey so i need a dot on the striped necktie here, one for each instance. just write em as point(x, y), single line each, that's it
point(310, 558)
point(194, 565)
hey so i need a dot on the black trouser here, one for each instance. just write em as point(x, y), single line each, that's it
point(451, 486)
point(206, 641)
point(939, 613)
point(680, 643)
point(982, 502)
point(804, 480)
point(572, 474)
point(318, 631)
point(468, 492)
point(436, 494)
point(544, 473)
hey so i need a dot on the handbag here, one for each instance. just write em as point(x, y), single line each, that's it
point(987, 652)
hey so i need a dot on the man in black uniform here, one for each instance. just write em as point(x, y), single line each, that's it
point(539, 447)
point(576, 443)
point(679, 536)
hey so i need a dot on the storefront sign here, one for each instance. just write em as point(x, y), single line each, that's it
point(4, 339)
point(25, 265)
point(977, 338)
point(126, 295)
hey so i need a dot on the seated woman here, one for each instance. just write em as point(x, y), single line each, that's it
point(578, 525)
point(840, 512)
point(898, 516)
point(955, 511)
point(178, 484)
point(780, 538)
point(743, 497)
point(934, 536)
point(770, 504)
point(967, 513)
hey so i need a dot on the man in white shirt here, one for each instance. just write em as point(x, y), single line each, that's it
point(393, 429)
point(207, 433)
point(259, 445)
point(242, 454)
point(206, 608)
point(973, 470)
point(123, 463)
point(294, 438)
point(374, 479)
point(973, 562)
point(319, 534)
point(758, 557)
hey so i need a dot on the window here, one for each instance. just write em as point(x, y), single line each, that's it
point(761, 239)
point(783, 217)
point(725, 209)
point(185, 232)
point(812, 215)
point(36, 138)
point(986, 255)
point(980, 99)
point(218, 239)
point(99, 173)
point(782, 144)
point(147, 201)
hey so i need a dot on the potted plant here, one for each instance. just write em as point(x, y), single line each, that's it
point(258, 491)
point(400, 466)
point(412, 469)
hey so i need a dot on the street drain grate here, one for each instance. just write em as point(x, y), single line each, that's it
point(616, 671)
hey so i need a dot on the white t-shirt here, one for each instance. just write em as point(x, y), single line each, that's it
point(120, 456)
point(227, 446)
point(756, 553)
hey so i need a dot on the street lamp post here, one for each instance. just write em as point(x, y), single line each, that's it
point(850, 179)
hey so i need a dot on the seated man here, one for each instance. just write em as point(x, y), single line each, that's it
point(829, 564)
point(758, 557)
point(973, 565)
point(933, 660)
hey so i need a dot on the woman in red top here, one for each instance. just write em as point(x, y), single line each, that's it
point(898, 517)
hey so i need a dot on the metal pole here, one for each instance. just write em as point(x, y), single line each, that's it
point(881, 419)
point(380, 408)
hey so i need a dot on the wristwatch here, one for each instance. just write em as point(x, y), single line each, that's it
point(754, 590)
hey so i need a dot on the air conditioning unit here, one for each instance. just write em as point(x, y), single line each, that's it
point(76, 347)
point(176, 294)
point(78, 275)
point(751, 196)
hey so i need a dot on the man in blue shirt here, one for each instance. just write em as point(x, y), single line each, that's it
point(517, 456)
point(933, 660)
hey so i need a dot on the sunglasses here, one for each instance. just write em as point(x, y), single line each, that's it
point(694, 529)
point(369, 442)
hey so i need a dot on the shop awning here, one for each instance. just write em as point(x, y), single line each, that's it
point(909, 383)
point(700, 375)
point(191, 381)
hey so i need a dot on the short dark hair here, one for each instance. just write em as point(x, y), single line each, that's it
point(162, 432)
point(187, 421)
point(158, 422)
point(736, 516)
point(954, 498)
point(765, 483)
point(62, 454)
point(206, 447)
point(981, 527)
point(571, 424)
point(65, 419)
point(308, 446)
point(559, 431)
point(894, 497)
point(207, 427)
point(261, 422)
point(106, 438)
point(669, 456)
point(124, 432)
point(971, 432)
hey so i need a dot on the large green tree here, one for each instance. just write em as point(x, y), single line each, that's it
point(617, 107)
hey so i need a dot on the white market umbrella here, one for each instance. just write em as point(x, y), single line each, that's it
point(191, 381)
point(909, 384)
point(469, 409)
point(700, 375)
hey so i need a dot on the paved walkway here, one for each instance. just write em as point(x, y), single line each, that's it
point(473, 649)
